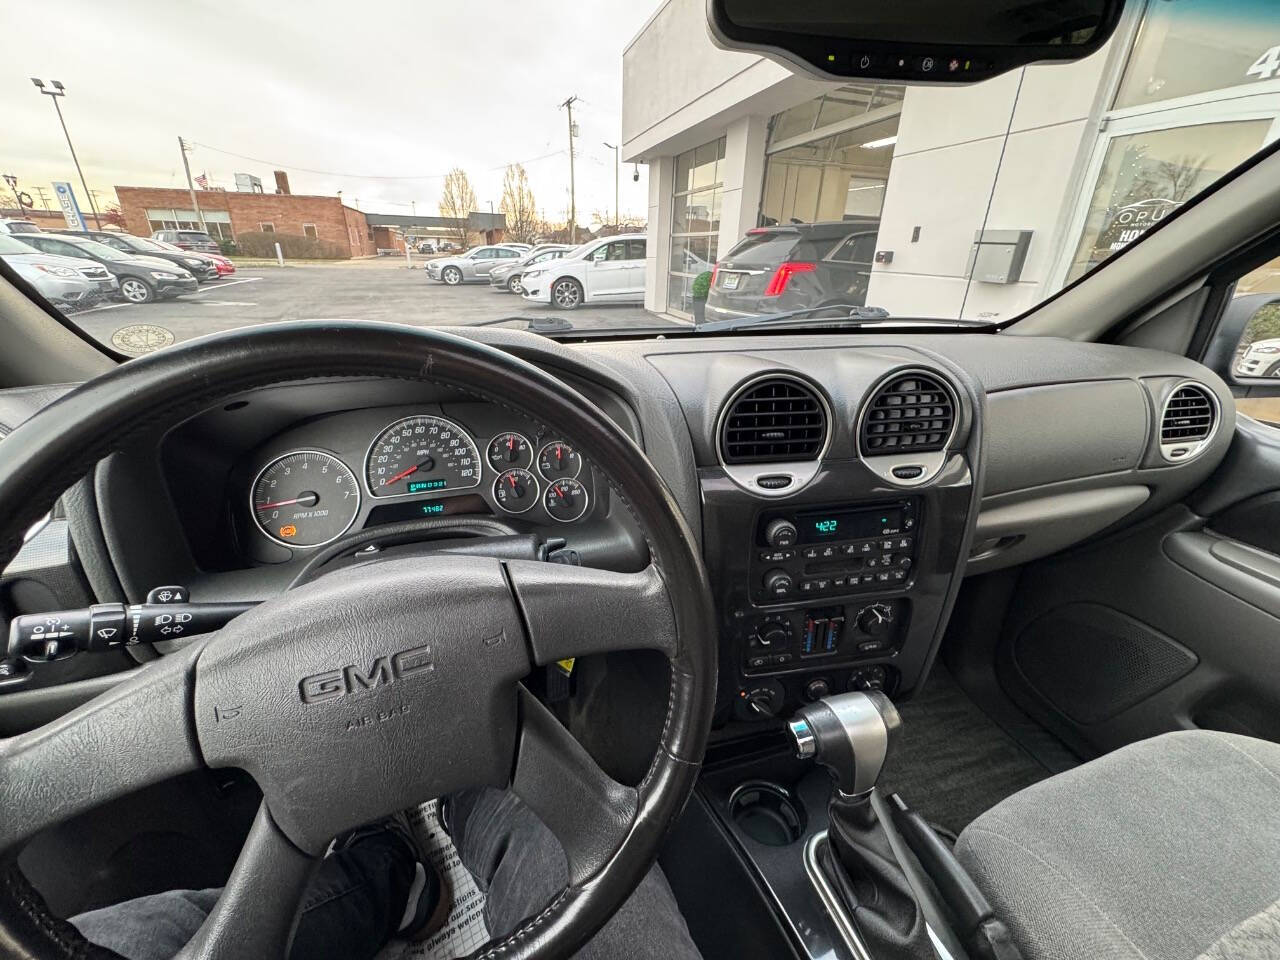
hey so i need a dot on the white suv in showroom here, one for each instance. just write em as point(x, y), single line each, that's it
point(607, 270)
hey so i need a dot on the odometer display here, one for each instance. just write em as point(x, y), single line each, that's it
point(422, 455)
point(305, 499)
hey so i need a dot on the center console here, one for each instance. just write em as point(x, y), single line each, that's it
point(835, 519)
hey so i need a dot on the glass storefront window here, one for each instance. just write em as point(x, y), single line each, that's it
point(1147, 176)
point(695, 219)
point(1187, 47)
point(833, 178)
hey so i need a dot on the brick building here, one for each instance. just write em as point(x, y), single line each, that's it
point(226, 213)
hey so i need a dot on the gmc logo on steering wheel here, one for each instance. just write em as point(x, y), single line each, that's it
point(334, 684)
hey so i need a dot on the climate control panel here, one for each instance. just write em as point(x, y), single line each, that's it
point(804, 639)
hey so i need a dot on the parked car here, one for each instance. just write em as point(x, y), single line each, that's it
point(188, 240)
point(64, 281)
point(1261, 359)
point(15, 225)
point(222, 264)
point(474, 265)
point(141, 278)
point(507, 276)
point(608, 270)
point(789, 267)
point(426, 246)
point(198, 265)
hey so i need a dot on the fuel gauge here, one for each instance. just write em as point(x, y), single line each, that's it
point(566, 500)
point(516, 490)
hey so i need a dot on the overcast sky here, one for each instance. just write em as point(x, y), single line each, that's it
point(357, 89)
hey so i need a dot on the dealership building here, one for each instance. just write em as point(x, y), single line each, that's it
point(989, 197)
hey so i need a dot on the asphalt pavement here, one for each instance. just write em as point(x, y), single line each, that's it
point(360, 290)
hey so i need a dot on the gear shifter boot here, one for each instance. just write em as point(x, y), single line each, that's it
point(851, 735)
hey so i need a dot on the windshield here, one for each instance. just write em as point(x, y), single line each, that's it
point(145, 245)
point(92, 248)
point(337, 194)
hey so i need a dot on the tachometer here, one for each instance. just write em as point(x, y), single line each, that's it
point(305, 498)
point(421, 455)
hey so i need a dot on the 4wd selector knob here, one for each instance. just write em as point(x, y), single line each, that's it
point(780, 533)
point(778, 583)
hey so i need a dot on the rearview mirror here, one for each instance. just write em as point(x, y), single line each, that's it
point(914, 41)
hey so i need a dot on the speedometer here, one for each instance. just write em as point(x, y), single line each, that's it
point(422, 455)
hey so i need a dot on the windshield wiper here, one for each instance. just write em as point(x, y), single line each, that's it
point(856, 316)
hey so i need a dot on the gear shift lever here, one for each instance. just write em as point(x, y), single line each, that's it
point(851, 735)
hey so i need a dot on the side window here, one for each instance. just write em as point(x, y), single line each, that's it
point(617, 250)
point(484, 253)
point(510, 254)
point(635, 249)
point(63, 249)
point(857, 248)
point(599, 253)
point(115, 242)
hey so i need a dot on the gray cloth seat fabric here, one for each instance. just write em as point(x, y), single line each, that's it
point(1167, 849)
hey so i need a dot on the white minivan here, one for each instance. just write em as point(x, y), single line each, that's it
point(605, 270)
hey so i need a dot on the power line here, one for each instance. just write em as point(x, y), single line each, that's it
point(359, 176)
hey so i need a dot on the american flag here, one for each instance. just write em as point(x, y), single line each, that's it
point(202, 181)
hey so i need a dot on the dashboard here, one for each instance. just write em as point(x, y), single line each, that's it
point(840, 486)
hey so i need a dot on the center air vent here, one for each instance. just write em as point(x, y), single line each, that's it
point(777, 420)
point(911, 413)
point(1188, 421)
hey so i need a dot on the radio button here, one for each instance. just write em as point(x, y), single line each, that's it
point(810, 553)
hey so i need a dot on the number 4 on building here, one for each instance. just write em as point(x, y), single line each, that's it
point(1266, 66)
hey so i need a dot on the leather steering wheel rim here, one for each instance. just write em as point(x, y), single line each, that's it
point(65, 440)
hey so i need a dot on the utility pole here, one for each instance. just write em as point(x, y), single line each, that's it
point(44, 201)
point(61, 91)
point(573, 204)
point(182, 146)
point(617, 217)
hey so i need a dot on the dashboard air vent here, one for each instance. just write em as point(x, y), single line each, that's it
point(1189, 416)
point(911, 413)
point(777, 420)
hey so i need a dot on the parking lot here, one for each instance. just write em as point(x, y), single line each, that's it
point(360, 290)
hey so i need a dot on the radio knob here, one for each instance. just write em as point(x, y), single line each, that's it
point(816, 689)
point(780, 533)
point(778, 583)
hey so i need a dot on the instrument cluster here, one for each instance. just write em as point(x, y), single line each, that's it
point(420, 464)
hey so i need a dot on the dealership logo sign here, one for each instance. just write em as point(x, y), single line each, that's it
point(1132, 220)
point(354, 678)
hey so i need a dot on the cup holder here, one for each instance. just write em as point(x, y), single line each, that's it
point(767, 813)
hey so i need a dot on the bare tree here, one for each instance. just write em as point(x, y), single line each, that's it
point(457, 200)
point(519, 207)
point(606, 226)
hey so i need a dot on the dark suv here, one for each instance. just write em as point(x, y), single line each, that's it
point(779, 268)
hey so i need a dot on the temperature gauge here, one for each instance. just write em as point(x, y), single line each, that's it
point(559, 460)
point(516, 490)
point(566, 500)
point(508, 450)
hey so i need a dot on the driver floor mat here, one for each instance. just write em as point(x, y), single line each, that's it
point(464, 931)
point(951, 762)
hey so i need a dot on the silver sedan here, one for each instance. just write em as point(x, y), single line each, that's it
point(474, 265)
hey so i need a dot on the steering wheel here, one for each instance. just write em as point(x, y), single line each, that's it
point(288, 691)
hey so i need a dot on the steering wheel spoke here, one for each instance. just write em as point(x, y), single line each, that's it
point(574, 611)
point(587, 810)
point(91, 755)
point(258, 910)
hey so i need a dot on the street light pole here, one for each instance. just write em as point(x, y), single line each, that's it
point(617, 217)
point(60, 91)
point(12, 181)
